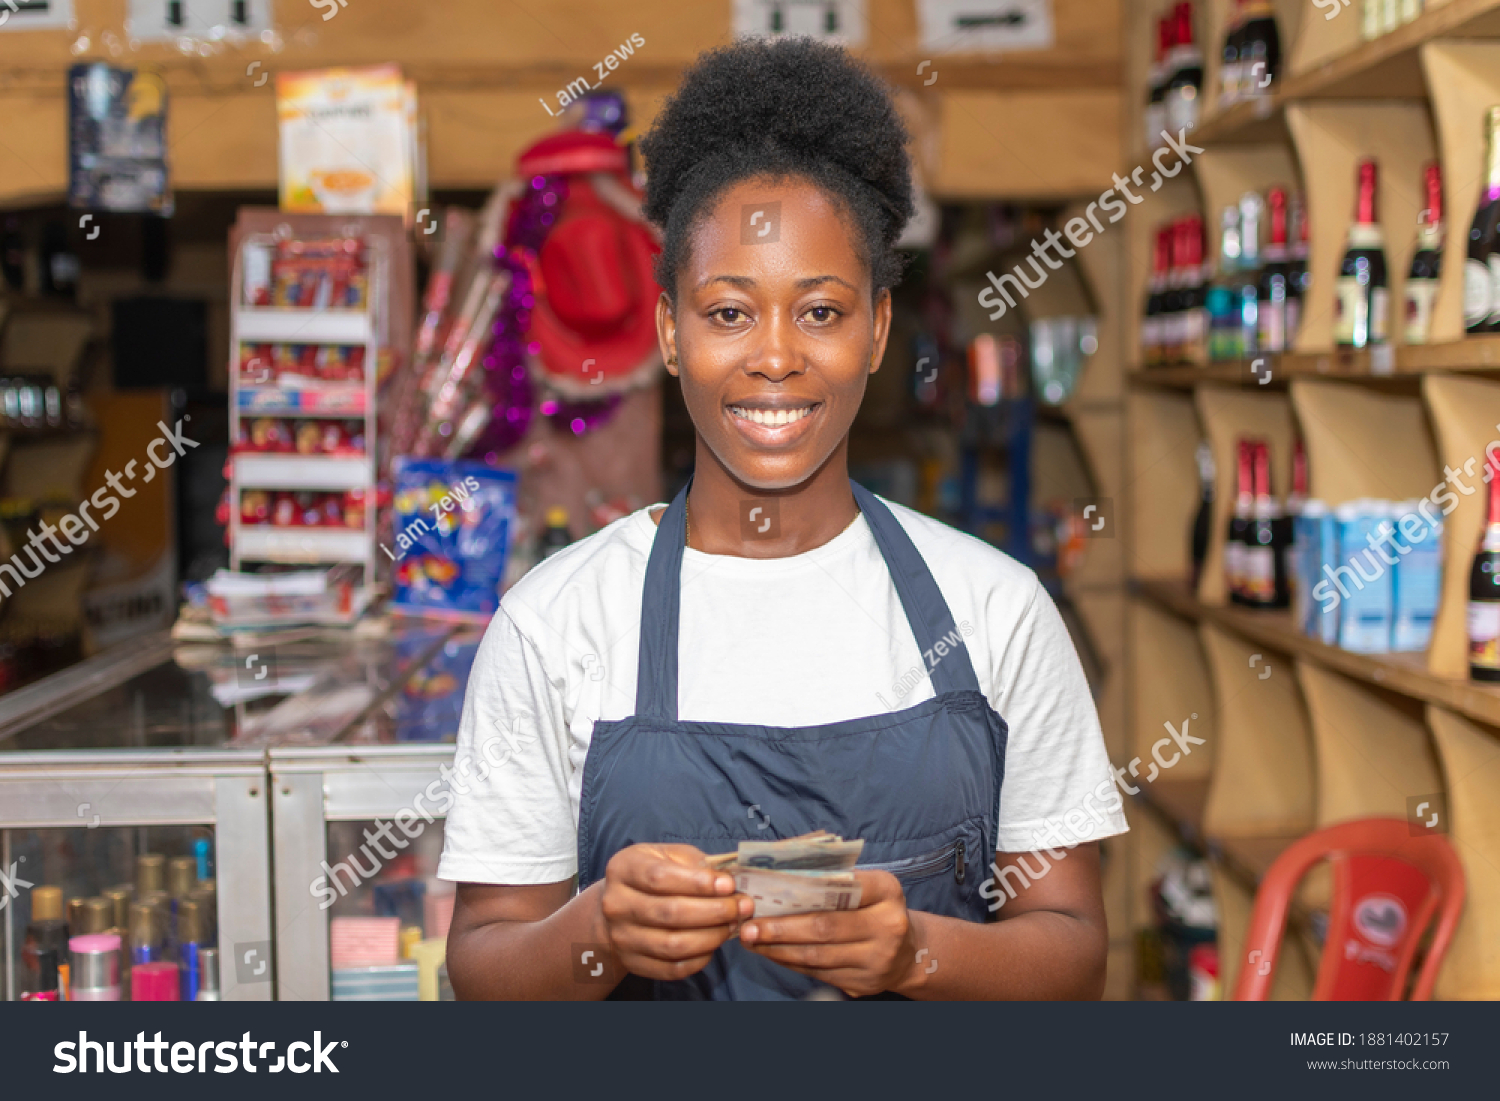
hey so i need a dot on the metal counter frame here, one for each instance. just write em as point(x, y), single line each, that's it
point(222, 788)
point(311, 787)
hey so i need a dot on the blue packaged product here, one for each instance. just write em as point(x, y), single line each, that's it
point(1418, 582)
point(432, 699)
point(451, 529)
point(1318, 556)
point(1362, 578)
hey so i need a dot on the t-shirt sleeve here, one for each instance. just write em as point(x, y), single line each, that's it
point(512, 820)
point(1058, 789)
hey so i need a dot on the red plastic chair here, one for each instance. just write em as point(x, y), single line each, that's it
point(1387, 885)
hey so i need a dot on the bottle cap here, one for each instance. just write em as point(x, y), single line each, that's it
point(189, 928)
point(154, 982)
point(75, 913)
point(182, 874)
point(144, 924)
point(46, 904)
point(150, 872)
point(98, 914)
point(119, 898)
point(95, 964)
point(557, 517)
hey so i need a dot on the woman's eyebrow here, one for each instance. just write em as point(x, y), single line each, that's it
point(744, 282)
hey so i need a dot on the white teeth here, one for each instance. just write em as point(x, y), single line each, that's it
point(771, 418)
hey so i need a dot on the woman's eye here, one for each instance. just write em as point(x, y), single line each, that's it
point(822, 314)
point(729, 315)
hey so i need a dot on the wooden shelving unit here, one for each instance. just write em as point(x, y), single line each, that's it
point(1331, 735)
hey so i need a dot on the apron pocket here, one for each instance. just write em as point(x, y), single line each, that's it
point(951, 858)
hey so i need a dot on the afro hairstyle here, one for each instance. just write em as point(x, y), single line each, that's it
point(779, 108)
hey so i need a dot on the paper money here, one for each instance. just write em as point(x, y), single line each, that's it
point(799, 875)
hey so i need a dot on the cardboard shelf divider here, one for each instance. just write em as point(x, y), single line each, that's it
point(1263, 779)
point(1099, 433)
point(1466, 419)
point(1331, 139)
point(1361, 443)
point(1229, 415)
point(1471, 762)
point(1171, 685)
point(1463, 79)
point(1162, 437)
point(1371, 755)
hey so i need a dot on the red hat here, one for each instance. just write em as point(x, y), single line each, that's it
point(595, 313)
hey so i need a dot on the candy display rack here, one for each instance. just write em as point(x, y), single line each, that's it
point(262, 393)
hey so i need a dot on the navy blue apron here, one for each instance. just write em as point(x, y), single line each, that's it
point(920, 785)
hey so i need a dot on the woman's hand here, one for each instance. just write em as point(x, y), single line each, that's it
point(865, 951)
point(664, 912)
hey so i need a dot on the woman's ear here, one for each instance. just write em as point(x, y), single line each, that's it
point(666, 332)
point(882, 328)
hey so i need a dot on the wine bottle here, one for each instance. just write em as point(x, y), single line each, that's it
point(1239, 524)
point(1229, 64)
point(1360, 312)
point(1427, 261)
point(1195, 287)
point(1484, 591)
point(1260, 50)
point(1286, 532)
point(1298, 278)
point(1151, 323)
point(1247, 283)
point(1155, 115)
point(1263, 557)
point(1482, 268)
point(1185, 85)
point(1271, 294)
point(1220, 297)
point(1203, 521)
point(1172, 317)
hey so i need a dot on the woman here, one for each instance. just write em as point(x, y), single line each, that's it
point(815, 658)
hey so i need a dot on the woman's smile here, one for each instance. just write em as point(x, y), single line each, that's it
point(774, 422)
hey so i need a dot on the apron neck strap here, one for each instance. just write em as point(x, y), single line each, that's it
point(927, 612)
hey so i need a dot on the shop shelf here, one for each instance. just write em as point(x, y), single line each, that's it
point(275, 326)
point(1470, 757)
point(1330, 61)
point(264, 543)
point(1478, 355)
point(262, 471)
point(276, 401)
point(1406, 674)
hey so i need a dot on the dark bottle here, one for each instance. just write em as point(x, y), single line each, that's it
point(1229, 59)
point(1271, 293)
point(1151, 323)
point(13, 254)
point(1239, 524)
point(1169, 321)
point(1266, 539)
point(1155, 115)
point(1185, 85)
point(556, 535)
point(60, 267)
point(1286, 533)
point(1194, 324)
point(1484, 591)
point(1203, 521)
point(1427, 261)
point(1298, 278)
point(1361, 308)
point(1260, 50)
point(1482, 268)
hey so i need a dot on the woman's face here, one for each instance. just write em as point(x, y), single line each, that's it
point(775, 330)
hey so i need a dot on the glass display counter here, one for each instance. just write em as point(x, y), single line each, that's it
point(155, 793)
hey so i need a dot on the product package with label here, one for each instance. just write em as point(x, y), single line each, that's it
point(451, 528)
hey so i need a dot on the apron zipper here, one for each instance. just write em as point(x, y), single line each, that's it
point(915, 867)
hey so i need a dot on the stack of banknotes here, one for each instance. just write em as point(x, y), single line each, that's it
point(800, 875)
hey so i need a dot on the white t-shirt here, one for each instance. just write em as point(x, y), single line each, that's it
point(798, 641)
